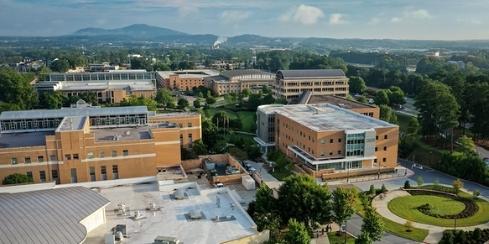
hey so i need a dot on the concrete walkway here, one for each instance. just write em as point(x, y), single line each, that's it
point(435, 232)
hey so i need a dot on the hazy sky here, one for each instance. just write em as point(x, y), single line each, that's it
point(413, 19)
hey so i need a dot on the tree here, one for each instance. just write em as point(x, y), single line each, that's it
point(457, 185)
point(197, 103)
point(140, 101)
point(363, 238)
point(413, 126)
point(17, 178)
point(357, 85)
point(438, 108)
point(210, 100)
point(199, 148)
point(16, 90)
point(383, 189)
point(165, 98)
point(466, 144)
point(343, 202)
point(182, 103)
point(60, 65)
point(372, 225)
point(396, 96)
point(407, 185)
point(297, 233)
point(388, 114)
point(381, 98)
point(301, 198)
point(51, 100)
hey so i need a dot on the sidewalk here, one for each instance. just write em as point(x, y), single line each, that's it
point(435, 232)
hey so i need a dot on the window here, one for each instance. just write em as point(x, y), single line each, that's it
point(376, 149)
point(180, 125)
point(75, 156)
point(189, 124)
point(90, 155)
point(384, 159)
point(92, 174)
point(114, 153)
point(54, 174)
point(27, 160)
point(375, 160)
point(125, 152)
point(190, 138)
point(385, 148)
point(13, 160)
point(115, 172)
point(40, 159)
point(52, 158)
point(103, 173)
point(74, 177)
point(42, 176)
point(339, 151)
point(102, 154)
point(339, 140)
point(385, 136)
point(331, 153)
point(67, 156)
point(376, 137)
point(181, 139)
point(330, 140)
point(29, 175)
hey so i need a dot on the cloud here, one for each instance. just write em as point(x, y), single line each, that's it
point(374, 21)
point(419, 14)
point(416, 14)
point(471, 21)
point(396, 19)
point(234, 15)
point(303, 14)
point(336, 19)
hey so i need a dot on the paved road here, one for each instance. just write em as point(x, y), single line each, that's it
point(483, 153)
point(354, 226)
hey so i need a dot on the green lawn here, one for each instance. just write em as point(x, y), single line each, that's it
point(281, 173)
point(405, 207)
point(248, 120)
point(335, 239)
point(394, 228)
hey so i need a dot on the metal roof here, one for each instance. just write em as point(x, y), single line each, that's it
point(64, 112)
point(310, 73)
point(47, 216)
point(240, 72)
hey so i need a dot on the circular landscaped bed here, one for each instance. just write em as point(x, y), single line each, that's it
point(440, 208)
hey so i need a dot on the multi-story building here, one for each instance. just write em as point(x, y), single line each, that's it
point(329, 141)
point(290, 84)
point(235, 81)
point(183, 80)
point(85, 143)
point(109, 87)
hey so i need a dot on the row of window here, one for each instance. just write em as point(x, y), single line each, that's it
point(90, 155)
point(42, 175)
point(103, 173)
point(385, 148)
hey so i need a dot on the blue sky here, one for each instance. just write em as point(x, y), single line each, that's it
point(414, 19)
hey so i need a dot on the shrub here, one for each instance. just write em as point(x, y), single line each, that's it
point(383, 189)
point(371, 191)
point(470, 209)
point(407, 185)
point(465, 237)
point(409, 226)
point(17, 179)
point(457, 185)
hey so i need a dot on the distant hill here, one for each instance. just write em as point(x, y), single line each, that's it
point(137, 31)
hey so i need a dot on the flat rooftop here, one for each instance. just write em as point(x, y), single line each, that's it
point(172, 217)
point(326, 117)
point(190, 73)
point(176, 115)
point(64, 112)
point(27, 139)
point(47, 216)
point(337, 101)
point(72, 123)
point(122, 134)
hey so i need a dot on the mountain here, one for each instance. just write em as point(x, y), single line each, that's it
point(138, 31)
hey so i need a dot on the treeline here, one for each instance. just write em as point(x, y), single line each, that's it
point(290, 59)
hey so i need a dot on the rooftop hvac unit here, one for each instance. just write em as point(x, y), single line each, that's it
point(194, 214)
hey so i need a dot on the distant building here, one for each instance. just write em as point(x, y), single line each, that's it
point(235, 81)
point(109, 87)
point(85, 143)
point(329, 141)
point(103, 67)
point(290, 84)
point(184, 80)
point(61, 215)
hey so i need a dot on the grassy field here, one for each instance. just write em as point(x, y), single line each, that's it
point(247, 118)
point(335, 239)
point(405, 207)
point(397, 229)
